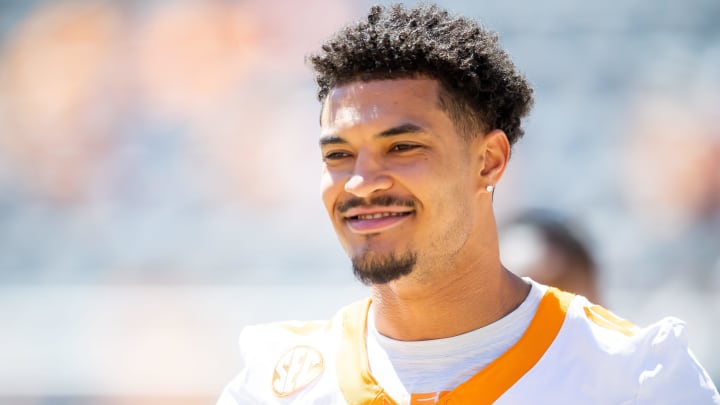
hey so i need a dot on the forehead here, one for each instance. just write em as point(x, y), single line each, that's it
point(377, 101)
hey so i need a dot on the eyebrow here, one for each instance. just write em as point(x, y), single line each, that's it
point(331, 140)
point(401, 129)
point(407, 128)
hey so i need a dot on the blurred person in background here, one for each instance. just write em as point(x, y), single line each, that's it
point(546, 247)
point(419, 112)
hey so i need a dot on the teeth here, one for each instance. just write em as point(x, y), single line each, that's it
point(380, 215)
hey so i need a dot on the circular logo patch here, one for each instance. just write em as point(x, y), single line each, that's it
point(296, 369)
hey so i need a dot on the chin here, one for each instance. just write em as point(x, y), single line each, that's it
point(372, 268)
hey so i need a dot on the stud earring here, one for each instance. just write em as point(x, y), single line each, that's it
point(489, 188)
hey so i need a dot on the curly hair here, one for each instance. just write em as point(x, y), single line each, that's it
point(480, 86)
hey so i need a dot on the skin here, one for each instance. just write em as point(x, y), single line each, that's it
point(391, 138)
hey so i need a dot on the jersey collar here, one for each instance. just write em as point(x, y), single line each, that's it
point(359, 387)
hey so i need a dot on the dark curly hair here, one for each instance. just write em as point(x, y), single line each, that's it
point(480, 86)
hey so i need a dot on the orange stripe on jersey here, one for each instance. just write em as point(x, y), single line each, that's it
point(606, 319)
point(357, 384)
point(426, 399)
point(359, 387)
point(491, 382)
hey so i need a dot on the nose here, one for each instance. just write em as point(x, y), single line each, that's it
point(368, 177)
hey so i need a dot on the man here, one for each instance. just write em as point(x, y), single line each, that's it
point(419, 110)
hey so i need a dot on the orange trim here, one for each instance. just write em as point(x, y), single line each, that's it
point(357, 384)
point(359, 387)
point(422, 399)
point(606, 319)
point(494, 380)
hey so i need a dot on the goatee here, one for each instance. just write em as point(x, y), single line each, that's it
point(381, 270)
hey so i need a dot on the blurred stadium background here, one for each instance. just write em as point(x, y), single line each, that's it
point(159, 177)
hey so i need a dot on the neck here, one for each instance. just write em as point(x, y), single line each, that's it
point(411, 310)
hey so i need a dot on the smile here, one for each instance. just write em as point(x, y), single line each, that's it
point(380, 215)
point(376, 221)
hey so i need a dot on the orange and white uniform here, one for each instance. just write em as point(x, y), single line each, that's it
point(570, 352)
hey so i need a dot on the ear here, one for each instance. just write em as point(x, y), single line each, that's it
point(494, 153)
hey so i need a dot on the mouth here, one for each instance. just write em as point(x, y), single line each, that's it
point(376, 220)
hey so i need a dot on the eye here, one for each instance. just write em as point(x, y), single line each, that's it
point(404, 147)
point(330, 156)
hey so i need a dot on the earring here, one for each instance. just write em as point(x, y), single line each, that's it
point(489, 188)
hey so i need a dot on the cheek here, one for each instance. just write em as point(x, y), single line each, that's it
point(454, 201)
point(330, 186)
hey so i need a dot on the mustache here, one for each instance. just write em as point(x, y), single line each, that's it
point(381, 200)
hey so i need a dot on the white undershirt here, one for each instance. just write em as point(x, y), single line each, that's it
point(429, 366)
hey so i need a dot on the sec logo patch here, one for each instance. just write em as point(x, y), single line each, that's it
point(296, 369)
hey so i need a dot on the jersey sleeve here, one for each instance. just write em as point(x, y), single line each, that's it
point(235, 392)
point(670, 373)
point(284, 363)
point(242, 390)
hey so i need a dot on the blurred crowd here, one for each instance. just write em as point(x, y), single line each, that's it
point(157, 141)
point(173, 142)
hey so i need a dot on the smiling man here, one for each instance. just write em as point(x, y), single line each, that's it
point(419, 110)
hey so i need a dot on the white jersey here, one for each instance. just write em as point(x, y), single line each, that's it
point(573, 352)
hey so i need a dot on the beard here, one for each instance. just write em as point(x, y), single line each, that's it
point(382, 270)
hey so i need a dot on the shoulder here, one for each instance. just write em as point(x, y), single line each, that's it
point(595, 329)
point(288, 362)
point(266, 341)
point(669, 372)
point(615, 335)
point(272, 336)
point(651, 364)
